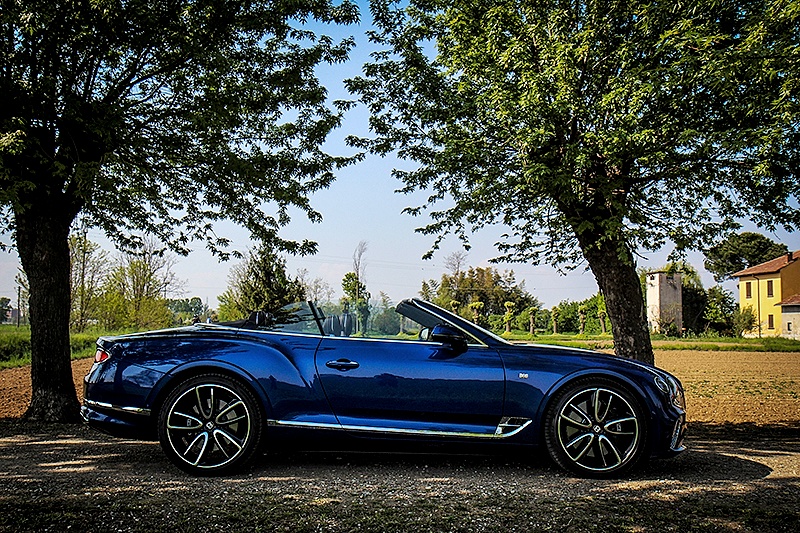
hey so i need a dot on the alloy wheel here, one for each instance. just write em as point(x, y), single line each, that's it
point(598, 429)
point(208, 426)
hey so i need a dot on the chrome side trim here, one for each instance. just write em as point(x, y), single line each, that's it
point(121, 408)
point(500, 433)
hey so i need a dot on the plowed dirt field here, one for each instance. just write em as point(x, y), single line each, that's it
point(721, 387)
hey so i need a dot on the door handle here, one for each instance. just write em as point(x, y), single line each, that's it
point(342, 364)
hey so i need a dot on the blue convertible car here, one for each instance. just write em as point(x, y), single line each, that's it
point(214, 395)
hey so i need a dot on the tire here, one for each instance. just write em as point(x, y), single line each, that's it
point(596, 428)
point(210, 425)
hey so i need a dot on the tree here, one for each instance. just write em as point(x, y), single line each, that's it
point(455, 261)
point(744, 321)
point(5, 308)
point(487, 285)
point(566, 317)
point(154, 120)
point(359, 266)
point(316, 290)
point(357, 295)
point(188, 310)
point(258, 283)
point(720, 309)
point(740, 251)
point(602, 315)
point(582, 310)
point(136, 289)
point(508, 317)
point(387, 320)
point(592, 130)
point(477, 309)
point(89, 266)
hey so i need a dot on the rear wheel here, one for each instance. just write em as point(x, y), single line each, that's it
point(596, 428)
point(210, 425)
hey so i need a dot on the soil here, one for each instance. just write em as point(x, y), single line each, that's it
point(15, 387)
point(741, 473)
point(721, 387)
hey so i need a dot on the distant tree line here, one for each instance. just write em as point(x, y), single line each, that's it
point(129, 291)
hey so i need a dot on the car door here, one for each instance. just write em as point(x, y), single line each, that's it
point(414, 387)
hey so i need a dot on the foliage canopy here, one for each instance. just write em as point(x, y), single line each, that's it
point(159, 118)
point(590, 129)
point(258, 283)
point(740, 251)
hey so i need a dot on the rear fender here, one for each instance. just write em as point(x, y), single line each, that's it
point(204, 366)
point(280, 374)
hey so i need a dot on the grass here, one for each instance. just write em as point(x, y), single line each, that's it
point(15, 345)
point(660, 342)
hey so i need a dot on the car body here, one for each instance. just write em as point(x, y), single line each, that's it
point(214, 395)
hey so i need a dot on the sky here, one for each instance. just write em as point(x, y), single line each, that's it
point(361, 205)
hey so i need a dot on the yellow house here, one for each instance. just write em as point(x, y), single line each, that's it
point(763, 288)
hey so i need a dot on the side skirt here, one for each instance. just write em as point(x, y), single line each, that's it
point(508, 427)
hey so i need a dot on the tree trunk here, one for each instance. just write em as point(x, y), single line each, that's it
point(42, 241)
point(612, 265)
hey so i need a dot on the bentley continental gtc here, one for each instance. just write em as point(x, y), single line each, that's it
point(215, 395)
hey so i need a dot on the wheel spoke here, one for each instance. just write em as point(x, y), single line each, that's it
point(229, 439)
point(198, 423)
point(580, 412)
point(585, 449)
point(204, 437)
point(604, 441)
point(229, 409)
point(609, 426)
point(200, 404)
point(597, 404)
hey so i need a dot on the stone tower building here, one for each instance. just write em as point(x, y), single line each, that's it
point(664, 302)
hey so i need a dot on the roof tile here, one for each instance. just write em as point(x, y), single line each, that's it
point(769, 267)
point(791, 300)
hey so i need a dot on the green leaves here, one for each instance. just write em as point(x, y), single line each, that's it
point(660, 123)
point(165, 118)
point(741, 251)
point(258, 283)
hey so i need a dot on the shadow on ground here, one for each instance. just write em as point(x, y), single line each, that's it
point(732, 478)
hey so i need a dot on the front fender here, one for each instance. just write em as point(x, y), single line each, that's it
point(638, 386)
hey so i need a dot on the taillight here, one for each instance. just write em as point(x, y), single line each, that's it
point(101, 355)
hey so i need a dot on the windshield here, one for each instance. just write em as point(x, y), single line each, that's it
point(472, 328)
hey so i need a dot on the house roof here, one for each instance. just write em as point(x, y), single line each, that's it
point(770, 267)
point(791, 300)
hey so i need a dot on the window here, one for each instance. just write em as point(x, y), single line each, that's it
point(789, 327)
point(770, 292)
point(748, 290)
point(770, 322)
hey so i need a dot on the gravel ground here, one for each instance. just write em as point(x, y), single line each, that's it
point(740, 475)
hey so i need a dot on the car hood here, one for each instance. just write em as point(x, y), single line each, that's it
point(603, 359)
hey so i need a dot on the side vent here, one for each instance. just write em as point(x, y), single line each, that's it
point(511, 426)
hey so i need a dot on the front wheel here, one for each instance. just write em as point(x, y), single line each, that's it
point(596, 428)
point(210, 425)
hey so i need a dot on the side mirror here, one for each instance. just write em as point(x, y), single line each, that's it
point(450, 337)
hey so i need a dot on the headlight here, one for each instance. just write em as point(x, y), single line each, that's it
point(672, 389)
